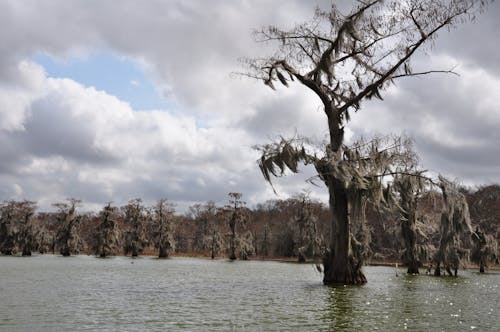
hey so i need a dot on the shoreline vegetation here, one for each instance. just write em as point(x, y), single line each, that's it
point(290, 230)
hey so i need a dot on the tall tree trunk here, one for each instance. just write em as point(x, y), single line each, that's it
point(212, 249)
point(232, 249)
point(339, 264)
point(264, 249)
point(409, 235)
point(232, 242)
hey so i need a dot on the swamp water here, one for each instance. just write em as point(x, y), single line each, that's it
point(84, 293)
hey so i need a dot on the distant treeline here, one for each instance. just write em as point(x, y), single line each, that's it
point(296, 228)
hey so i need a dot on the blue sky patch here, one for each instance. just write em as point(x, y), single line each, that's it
point(118, 76)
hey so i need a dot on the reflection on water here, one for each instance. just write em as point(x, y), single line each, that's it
point(339, 311)
point(49, 293)
point(418, 303)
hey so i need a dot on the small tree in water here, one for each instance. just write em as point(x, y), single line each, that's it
point(67, 237)
point(236, 217)
point(455, 220)
point(409, 186)
point(135, 218)
point(309, 242)
point(485, 249)
point(107, 233)
point(8, 228)
point(204, 216)
point(161, 232)
point(28, 231)
point(344, 60)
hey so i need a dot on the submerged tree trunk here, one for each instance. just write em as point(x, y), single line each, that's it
point(339, 264)
point(437, 271)
point(163, 252)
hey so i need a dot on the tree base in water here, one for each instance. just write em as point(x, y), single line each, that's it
point(413, 270)
point(344, 274)
point(163, 253)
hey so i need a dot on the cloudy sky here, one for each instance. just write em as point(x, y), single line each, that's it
point(107, 101)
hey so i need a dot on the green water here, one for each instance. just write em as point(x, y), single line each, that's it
point(83, 293)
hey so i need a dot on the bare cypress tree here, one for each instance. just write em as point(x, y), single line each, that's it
point(344, 60)
point(67, 238)
point(162, 234)
point(107, 232)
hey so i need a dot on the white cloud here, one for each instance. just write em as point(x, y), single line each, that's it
point(89, 144)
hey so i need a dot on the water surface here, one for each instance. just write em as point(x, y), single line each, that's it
point(84, 293)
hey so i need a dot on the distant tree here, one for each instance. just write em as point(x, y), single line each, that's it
point(45, 240)
point(67, 237)
point(28, 232)
point(236, 217)
point(345, 60)
point(216, 243)
point(135, 236)
point(204, 216)
point(309, 241)
point(8, 227)
point(284, 239)
point(484, 206)
point(161, 232)
point(409, 186)
point(484, 250)
point(107, 235)
point(245, 244)
point(266, 240)
point(455, 220)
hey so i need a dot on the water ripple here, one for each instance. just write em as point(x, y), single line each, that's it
point(48, 293)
